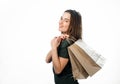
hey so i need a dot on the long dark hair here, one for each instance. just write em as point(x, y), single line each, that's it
point(75, 27)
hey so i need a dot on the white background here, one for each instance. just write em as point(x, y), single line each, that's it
point(27, 26)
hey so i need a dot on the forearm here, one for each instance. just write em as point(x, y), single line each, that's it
point(56, 61)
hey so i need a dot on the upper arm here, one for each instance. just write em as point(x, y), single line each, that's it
point(63, 62)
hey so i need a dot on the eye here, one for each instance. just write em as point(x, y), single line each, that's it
point(66, 21)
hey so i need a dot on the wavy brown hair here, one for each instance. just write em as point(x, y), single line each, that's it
point(75, 27)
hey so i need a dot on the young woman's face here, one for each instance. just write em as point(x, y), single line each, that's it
point(64, 22)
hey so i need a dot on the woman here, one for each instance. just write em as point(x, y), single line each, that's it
point(70, 26)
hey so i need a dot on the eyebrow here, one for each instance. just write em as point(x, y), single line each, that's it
point(65, 18)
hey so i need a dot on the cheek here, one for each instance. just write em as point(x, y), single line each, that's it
point(66, 26)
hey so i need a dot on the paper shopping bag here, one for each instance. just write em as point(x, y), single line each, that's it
point(82, 56)
point(97, 57)
point(77, 69)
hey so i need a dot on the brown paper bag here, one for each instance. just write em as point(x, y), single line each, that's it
point(82, 59)
point(77, 69)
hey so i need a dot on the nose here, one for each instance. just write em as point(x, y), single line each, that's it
point(60, 21)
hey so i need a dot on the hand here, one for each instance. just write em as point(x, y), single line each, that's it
point(64, 36)
point(55, 42)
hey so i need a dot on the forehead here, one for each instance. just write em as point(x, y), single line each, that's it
point(66, 15)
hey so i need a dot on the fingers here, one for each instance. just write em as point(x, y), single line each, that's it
point(58, 39)
point(64, 36)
